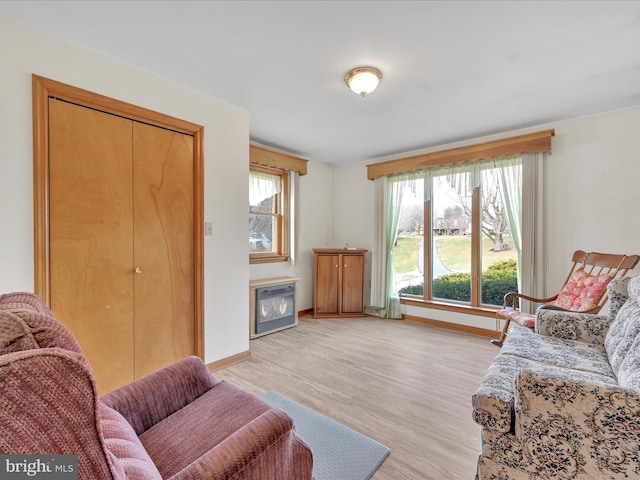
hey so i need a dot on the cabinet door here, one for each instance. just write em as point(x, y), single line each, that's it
point(352, 283)
point(91, 234)
point(327, 284)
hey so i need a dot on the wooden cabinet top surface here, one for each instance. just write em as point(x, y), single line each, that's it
point(340, 251)
point(260, 282)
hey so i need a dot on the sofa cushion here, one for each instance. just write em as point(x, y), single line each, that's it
point(557, 352)
point(23, 301)
point(617, 291)
point(127, 452)
point(47, 331)
point(185, 436)
point(629, 371)
point(43, 326)
point(15, 334)
point(625, 328)
point(493, 402)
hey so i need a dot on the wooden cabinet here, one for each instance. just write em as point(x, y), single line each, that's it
point(338, 282)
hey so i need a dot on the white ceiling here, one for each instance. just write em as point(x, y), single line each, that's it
point(452, 70)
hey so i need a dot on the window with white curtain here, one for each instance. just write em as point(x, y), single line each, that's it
point(274, 191)
point(458, 228)
point(268, 215)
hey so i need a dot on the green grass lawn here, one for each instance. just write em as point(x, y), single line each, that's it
point(405, 254)
point(454, 253)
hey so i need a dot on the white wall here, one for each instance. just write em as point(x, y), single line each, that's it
point(592, 189)
point(354, 208)
point(316, 230)
point(24, 51)
point(591, 183)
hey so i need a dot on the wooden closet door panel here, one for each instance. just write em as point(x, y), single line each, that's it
point(164, 305)
point(91, 233)
point(327, 284)
point(352, 283)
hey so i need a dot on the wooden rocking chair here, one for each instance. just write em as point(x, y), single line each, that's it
point(584, 289)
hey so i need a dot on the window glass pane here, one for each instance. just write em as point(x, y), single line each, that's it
point(498, 262)
point(261, 233)
point(408, 261)
point(263, 211)
point(451, 240)
point(267, 205)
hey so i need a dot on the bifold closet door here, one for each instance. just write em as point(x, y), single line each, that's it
point(91, 235)
point(121, 242)
point(164, 304)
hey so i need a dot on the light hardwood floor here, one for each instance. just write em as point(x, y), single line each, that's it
point(404, 384)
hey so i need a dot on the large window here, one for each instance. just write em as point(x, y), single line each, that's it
point(268, 215)
point(454, 243)
point(458, 228)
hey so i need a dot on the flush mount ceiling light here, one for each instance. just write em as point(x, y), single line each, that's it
point(363, 80)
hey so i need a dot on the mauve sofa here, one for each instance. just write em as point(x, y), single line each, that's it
point(177, 423)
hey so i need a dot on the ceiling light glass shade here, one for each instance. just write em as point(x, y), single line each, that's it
point(363, 80)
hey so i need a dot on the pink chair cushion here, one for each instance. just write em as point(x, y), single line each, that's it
point(524, 319)
point(583, 291)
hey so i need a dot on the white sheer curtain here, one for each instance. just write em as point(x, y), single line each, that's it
point(389, 194)
point(396, 187)
point(510, 187)
point(294, 217)
point(262, 186)
point(379, 253)
point(533, 228)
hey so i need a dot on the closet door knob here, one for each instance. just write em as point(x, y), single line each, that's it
point(139, 269)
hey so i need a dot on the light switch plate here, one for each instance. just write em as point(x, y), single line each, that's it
point(208, 228)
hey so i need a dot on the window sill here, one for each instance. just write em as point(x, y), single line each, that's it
point(485, 311)
point(267, 258)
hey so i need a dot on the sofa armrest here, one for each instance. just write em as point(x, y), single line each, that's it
point(268, 446)
point(583, 327)
point(569, 427)
point(146, 401)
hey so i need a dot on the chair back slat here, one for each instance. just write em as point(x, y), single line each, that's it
point(578, 259)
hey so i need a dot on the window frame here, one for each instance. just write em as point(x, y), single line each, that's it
point(281, 253)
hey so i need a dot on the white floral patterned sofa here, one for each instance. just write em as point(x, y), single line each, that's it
point(564, 402)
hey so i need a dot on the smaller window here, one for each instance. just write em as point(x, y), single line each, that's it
point(268, 215)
